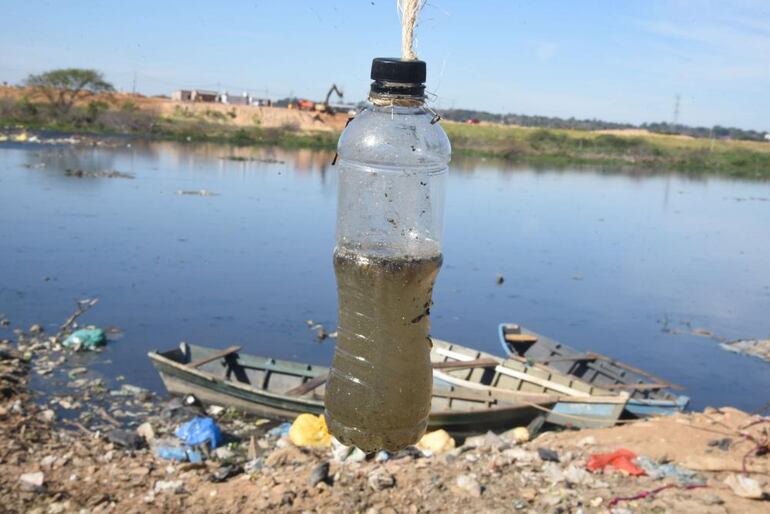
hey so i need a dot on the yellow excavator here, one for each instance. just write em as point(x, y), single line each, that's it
point(325, 107)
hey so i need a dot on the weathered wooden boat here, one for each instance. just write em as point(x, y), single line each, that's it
point(577, 403)
point(284, 389)
point(649, 395)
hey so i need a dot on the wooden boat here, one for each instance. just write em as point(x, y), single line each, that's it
point(578, 404)
point(284, 389)
point(649, 395)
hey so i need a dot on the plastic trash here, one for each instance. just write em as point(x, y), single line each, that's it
point(310, 430)
point(199, 431)
point(393, 159)
point(659, 471)
point(281, 430)
point(171, 449)
point(621, 459)
point(438, 441)
point(85, 339)
point(126, 439)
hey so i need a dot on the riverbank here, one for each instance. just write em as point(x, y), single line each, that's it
point(156, 118)
point(95, 446)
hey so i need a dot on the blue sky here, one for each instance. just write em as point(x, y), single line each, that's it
point(614, 60)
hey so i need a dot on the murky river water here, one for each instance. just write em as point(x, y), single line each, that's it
point(624, 264)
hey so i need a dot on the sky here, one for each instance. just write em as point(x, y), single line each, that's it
point(623, 61)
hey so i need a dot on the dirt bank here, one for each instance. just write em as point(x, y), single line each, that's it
point(231, 115)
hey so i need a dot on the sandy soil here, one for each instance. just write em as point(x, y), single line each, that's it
point(233, 115)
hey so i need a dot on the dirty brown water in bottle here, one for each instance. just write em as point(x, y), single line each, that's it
point(379, 390)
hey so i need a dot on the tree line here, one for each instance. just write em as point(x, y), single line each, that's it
point(717, 131)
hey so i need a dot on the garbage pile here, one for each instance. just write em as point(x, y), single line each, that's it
point(105, 446)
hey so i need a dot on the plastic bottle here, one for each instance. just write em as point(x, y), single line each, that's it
point(392, 163)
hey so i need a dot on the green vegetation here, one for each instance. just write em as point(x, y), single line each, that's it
point(636, 150)
point(64, 87)
point(523, 120)
point(643, 151)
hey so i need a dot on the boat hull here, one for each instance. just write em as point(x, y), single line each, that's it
point(182, 380)
point(643, 403)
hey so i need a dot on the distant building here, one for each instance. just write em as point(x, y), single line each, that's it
point(182, 95)
point(229, 99)
point(261, 102)
point(201, 95)
point(767, 136)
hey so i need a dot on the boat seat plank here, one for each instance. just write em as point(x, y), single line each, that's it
point(520, 338)
point(315, 382)
point(308, 386)
point(214, 356)
point(475, 363)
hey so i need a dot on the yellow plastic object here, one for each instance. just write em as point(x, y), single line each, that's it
point(438, 441)
point(310, 430)
point(521, 434)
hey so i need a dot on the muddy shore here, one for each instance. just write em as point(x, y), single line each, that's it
point(91, 449)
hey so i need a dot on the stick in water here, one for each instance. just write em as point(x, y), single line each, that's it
point(408, 9)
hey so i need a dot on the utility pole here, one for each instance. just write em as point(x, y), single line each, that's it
point(133, 85)
point(677, 99)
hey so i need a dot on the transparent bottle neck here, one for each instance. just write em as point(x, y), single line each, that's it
point(396, 104)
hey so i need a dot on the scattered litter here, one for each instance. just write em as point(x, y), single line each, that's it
point(126, 439)
point(225, 473)
point(223, 453)
point(310, 430)
point(320, 473)
point(553, 472)
point(744, 486)
point(652, 492)
point(253, 465)
point(621, 459)
point(548, 455)
point(723, 444)
point(379, 479)
point(659, 471)
point(215, 410)
point(469, 484)
point(85, 339)
point(32, 481)
point(146, 430)
point(438, 441)
point(199, 431)
point(177, 453)
point(175, 486)
point(281, 430)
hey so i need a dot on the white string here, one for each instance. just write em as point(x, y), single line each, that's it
point(408, 10)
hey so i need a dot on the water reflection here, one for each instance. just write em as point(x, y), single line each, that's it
point(601, 259)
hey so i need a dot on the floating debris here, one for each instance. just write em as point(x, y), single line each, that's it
point(76, 172)
point(202, 192)
point(238, 158)
point(755, 347)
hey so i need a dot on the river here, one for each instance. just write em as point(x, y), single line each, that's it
point(633, 265)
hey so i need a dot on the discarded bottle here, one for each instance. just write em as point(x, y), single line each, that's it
point(392, 162)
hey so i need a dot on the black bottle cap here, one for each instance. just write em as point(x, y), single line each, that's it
point(391, 69)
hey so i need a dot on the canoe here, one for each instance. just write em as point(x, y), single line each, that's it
point(649, 395)
point(577, 403)
point(282, 389)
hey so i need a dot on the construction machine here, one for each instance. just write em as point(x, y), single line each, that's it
point(325, 107)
